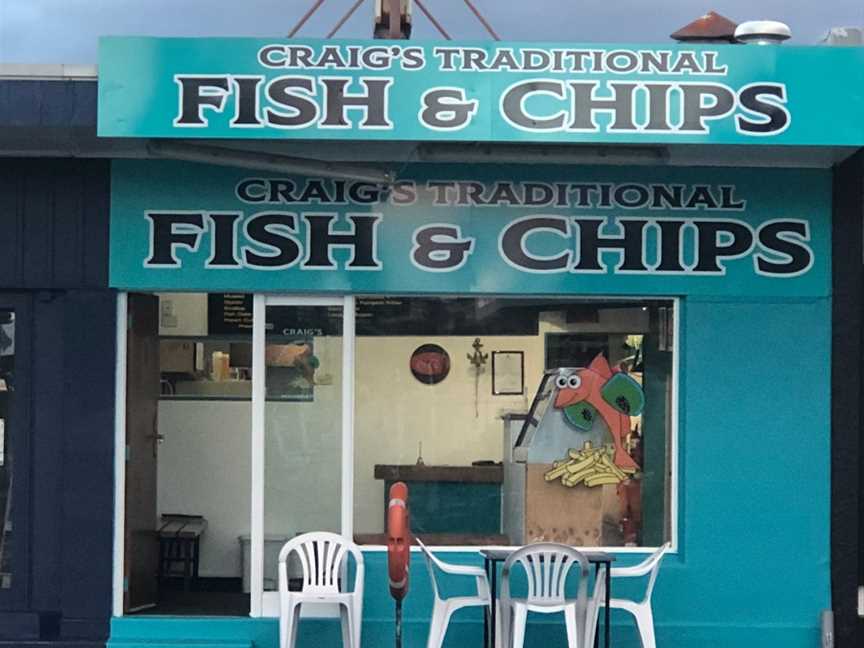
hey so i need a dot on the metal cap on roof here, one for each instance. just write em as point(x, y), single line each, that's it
point(763, 32)
point(710, 28)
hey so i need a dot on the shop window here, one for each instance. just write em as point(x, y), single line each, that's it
point(512, 420)
point(515, 420)
point(7, 393)
point(302, 427)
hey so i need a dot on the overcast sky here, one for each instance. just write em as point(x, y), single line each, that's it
point(66, 31)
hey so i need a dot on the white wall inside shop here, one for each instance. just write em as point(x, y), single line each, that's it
point(395, 413)
point(204, 462)
point(204, 468)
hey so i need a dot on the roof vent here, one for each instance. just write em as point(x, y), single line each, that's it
point(762, 32)
point(710, 28)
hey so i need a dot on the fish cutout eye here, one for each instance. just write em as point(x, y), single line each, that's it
point(561, 382)
point(574, 381)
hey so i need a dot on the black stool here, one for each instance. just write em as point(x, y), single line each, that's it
point(179, 547)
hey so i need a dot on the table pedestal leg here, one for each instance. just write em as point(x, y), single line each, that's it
point(487, 613)
point(607, 615)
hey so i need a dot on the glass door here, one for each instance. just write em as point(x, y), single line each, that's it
point(302, 398)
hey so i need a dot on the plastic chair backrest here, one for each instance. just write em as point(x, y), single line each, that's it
point(321, 556)
point(653, 564)
point(431, 563)
point(546, 566)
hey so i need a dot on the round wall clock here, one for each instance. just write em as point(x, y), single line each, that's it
point(430, 364)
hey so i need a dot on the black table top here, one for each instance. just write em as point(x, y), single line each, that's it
point(498, 555)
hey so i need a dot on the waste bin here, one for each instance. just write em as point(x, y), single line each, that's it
point(272, 545)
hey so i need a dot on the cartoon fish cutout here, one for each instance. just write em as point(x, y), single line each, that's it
point(612, 395)
point(581, 415)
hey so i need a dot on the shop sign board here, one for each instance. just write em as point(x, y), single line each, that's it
point(466, 230)
point(498, 92)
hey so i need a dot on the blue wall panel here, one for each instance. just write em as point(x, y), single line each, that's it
point(54, 259)
point(54, 220)
point(32, 103)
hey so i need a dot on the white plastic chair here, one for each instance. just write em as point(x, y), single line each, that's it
point(443, 609)
point(323, 558)
point(546, 566)
point(641, 610)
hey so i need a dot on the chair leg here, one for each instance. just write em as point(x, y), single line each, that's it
point(573, 637)
point(357, 627)
point(288, 625)
point(347, 627)
point(499, 626)
point(504, 621)
point(645, 622)
point(437, 627)
point(441, 613)
point(520, 620)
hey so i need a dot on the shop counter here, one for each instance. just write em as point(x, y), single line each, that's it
point(450, 504)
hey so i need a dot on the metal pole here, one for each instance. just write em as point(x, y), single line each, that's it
point(431, 18)
point(398, 623)
point(482, 20)
point(344, 18)
point(305, 17)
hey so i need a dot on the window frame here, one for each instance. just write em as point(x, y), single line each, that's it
point(261, 605)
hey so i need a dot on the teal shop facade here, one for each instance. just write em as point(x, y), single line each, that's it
point(726, 180)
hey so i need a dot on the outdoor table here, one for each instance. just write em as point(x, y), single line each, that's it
point(491, 558)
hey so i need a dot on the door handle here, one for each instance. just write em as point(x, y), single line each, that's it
point(157, 439)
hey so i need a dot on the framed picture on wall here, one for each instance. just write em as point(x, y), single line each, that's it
point(508, 373)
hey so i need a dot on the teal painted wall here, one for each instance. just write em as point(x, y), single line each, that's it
point(753, 567)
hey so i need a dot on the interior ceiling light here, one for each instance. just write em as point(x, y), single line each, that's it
point(266, 162)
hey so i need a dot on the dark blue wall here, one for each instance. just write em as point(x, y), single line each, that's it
point(847, 396)
point(54, 266)
point(54, 219)
point(39, 103)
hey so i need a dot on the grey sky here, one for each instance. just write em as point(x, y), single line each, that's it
point(66, 31)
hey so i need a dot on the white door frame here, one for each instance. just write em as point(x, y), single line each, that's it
point(267, 605)
point(119, 455)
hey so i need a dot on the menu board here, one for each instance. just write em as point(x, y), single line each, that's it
point(231, 314)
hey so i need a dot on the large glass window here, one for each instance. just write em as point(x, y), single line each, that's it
point(511, 419)
point(515, 420)
point(7, 461)
point(302, 427)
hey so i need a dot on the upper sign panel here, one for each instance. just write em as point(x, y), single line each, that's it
point(365, 90)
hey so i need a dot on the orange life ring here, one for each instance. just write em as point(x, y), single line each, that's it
point(398, 540)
